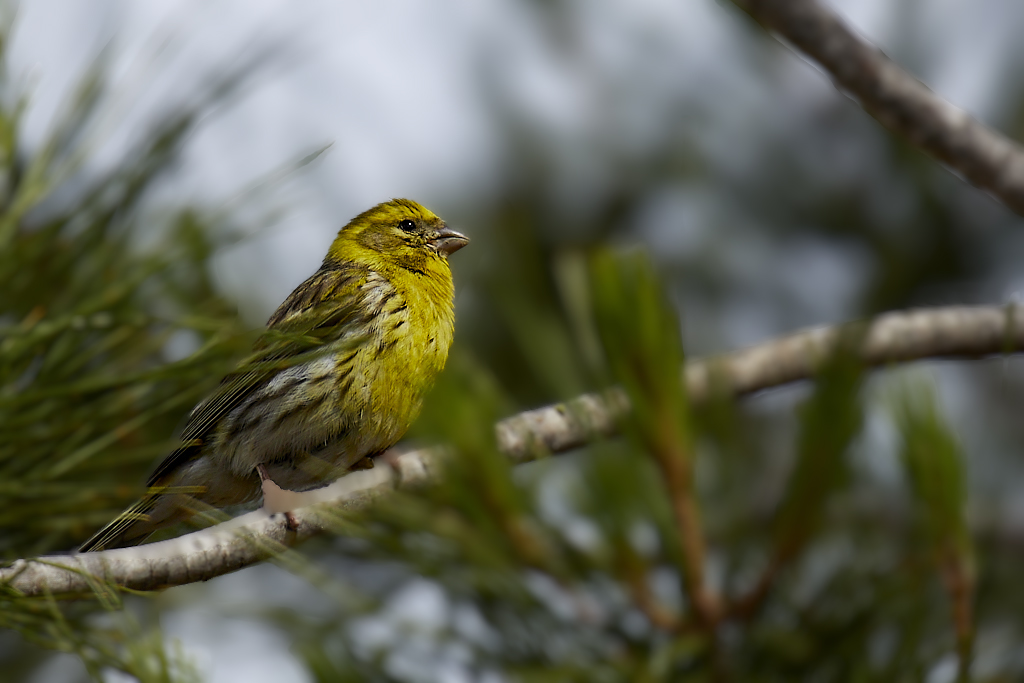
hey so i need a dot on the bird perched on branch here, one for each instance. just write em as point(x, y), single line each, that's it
point(337, 378)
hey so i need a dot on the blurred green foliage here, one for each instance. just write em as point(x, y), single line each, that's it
point(577, 568)
point(92, 377)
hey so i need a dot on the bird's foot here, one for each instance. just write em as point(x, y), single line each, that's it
point(364, 464)
point(388, 458)
point(277, 499)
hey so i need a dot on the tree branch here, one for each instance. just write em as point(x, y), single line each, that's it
point(955, 332)
point(900, 102)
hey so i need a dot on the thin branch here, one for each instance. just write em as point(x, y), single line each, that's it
point(959, 580)
point(675, 460)
point(956, 332)
point(203, 555)
point(691, 539)
point(654, 609)
point(747, 605)
point(900, 102)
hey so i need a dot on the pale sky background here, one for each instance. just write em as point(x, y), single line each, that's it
point(395, 85)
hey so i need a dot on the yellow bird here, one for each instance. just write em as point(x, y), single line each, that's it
point(338, 377)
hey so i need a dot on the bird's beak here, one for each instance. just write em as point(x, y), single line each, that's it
point(448, 241)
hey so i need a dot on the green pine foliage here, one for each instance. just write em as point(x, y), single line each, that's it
point(681, 551)
point(580, 568)
point(91, 383)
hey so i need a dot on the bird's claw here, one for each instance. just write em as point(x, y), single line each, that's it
point(277, 499)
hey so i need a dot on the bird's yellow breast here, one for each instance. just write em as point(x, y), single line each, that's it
point(406, 346)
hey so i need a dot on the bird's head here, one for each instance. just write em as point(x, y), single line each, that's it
point(399, 233)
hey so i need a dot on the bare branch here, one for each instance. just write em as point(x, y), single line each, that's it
point(900, 102)
point(212, 552)
point(955, 332)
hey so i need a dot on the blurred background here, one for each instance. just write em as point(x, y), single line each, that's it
point(767, 200)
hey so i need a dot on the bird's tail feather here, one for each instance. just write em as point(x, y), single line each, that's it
point(131, 527)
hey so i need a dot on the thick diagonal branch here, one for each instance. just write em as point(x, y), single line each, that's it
point(956, 332)
point(899, 101)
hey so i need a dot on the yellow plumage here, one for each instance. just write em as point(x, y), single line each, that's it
point(338, 377)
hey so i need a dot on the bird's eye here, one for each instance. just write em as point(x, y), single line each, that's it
point(407, 225)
